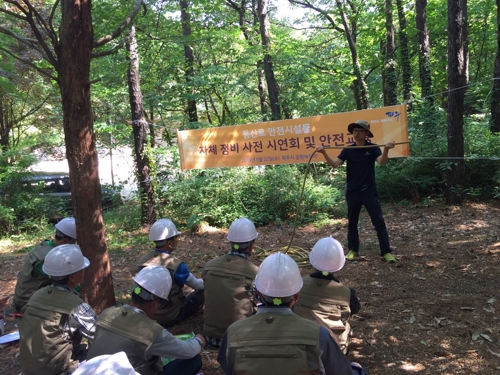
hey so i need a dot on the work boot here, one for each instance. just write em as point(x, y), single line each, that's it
point(388, 257)
point(351, 255)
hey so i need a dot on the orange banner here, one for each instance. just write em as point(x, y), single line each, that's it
point(288, 141)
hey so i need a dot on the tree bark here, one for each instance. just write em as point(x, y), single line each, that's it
point(272, 85)
point(6, 121)
point(140, 129)
point(390, 79)
point(73, 67)
point(457, 80)
point(405, 55)
point(424, 60)
point(495, 95)
point(152, 137)
point(189, 55)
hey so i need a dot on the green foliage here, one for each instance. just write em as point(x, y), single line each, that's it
point(424, 174)
point(263, 195)
point(22, 207)
point(122, 220)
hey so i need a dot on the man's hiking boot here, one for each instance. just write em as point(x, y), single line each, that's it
point(388, 257)
point(351, 255)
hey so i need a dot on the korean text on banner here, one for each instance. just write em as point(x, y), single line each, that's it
point(288, 141)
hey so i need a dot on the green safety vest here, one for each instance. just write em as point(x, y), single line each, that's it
point(124, 329)
point(42, 347)
point(176, 298)
point(228, 293)
point(327, 303)
point(274, 344)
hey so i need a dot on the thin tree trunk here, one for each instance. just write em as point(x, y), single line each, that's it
point(264, 108)
point(6, 121)
point(261, 77)
point(390, 79)
point(405, 54)
point(73, 69)
point(272, 86)
point(495, 95)
point(140, 129)
point(189, 55)
point(359, 85)
point(457, 81)
point(152, 137)
point(424, 60)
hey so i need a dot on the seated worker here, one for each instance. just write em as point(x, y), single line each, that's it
point(56, 318)
point(31, 277)
point(178, 307)
point(131, 329)
point(323, 298)
point(229, 283)
point(275, 341)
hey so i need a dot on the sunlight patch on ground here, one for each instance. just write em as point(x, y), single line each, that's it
point(394, 339)
point(472, 224)
point(410, 367)
point(205, 228)
point(5, 242)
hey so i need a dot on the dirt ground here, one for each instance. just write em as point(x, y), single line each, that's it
point(435, 311)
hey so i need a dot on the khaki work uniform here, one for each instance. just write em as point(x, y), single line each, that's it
point(123, 329)
point(28, 279)
point(327, 303)
point(274, 344)
point(42, 347)
point(228, 293)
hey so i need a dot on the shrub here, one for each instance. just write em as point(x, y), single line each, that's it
point(263, 194)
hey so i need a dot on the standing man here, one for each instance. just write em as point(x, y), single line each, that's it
point(56, 318)
point(178, 307)
point(229, 283)
point(323, 299)
point(275, 341)
point(361, 188)
point(131, 329)
point(31, 277)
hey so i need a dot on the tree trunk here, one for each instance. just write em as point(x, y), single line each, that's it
point(272, 86)
point(152, 137)
point(424, 60)
point(359, 85)
point(6, 121)
point(189, 55)
point(495, 95)
point(457, 80)
point(261, 77)
point(73, 69)
point(264, 109)
point(140, 129)
point(405, 54)
point(390, 80)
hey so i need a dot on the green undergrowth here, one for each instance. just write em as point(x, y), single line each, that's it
point(264, 195)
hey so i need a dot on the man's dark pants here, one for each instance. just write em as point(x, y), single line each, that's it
point(194, 303)
point(189, 366)
point(369, 199)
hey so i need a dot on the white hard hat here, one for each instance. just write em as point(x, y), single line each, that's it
point(64, 260)
point(67, 226)
point(327, 255)
point(278, 276)
point(163, 229)
point(108, 364)
point(242, 230)
point(156, 280)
